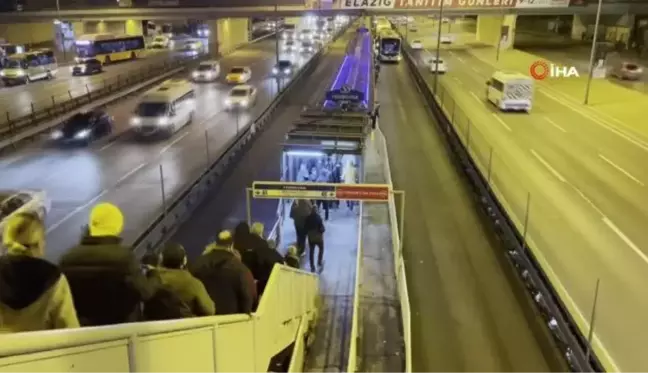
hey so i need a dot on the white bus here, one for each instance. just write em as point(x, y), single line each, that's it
point(510, 91)
point(165, 109)
point(389, 46)
point(29, 66)
point(109, 48)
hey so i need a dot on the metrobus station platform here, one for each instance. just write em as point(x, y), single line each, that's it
point(364, 289)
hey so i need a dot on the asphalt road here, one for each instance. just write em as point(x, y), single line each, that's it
point(579, 57)
point(127, 172)
point(227, 206)
point(465, 316)
point(18, 100)
point(586, 187)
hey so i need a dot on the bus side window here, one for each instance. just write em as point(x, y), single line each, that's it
point(496, 84)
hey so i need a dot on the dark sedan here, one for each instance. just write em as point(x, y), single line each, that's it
point(83, 128)
point(87, 67)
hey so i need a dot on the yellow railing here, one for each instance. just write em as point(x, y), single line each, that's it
point(219, 343)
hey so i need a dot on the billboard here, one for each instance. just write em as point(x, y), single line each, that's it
point(451, 4)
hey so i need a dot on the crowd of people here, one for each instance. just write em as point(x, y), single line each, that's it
point(101, 282)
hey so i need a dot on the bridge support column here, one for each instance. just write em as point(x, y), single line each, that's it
point(228, 33)
point(578, 28)
point(494, 29)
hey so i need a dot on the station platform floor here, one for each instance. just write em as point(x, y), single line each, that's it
point(329, 351)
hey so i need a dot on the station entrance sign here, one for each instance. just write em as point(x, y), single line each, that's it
point(326, 191)
point(452, 4)
point(345, 94)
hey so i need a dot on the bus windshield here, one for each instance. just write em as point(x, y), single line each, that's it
point(152, 109)
point(16, 64)
point(390, 47)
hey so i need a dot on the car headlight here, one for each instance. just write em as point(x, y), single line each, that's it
point(245, 102)
point(82, 134)
point(228, 102)
point(275, 70)
point(2, 73)
point(136, 121)
point(163, 121)
point(195, 74)
point(287, 71)
point(57, 134)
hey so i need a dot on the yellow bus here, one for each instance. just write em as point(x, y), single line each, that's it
point(109, 48)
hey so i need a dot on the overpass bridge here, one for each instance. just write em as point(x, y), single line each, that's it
point(111, 10)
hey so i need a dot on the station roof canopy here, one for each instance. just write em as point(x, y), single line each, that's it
point(329, 132)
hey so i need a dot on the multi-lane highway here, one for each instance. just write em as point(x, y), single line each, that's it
point(465, 314)
point(580, 172)
point(126, 172)
point(18, 100)
point(262, 162)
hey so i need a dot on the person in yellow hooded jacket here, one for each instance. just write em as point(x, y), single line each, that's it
point(34, 294)
point(107, 281)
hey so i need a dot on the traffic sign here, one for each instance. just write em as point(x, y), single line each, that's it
point(326, 191)
point(345, 93)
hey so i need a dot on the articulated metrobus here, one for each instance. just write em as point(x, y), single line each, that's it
point(389, 46)
point(109, 48)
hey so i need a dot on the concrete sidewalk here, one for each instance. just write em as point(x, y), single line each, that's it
point(382, 347)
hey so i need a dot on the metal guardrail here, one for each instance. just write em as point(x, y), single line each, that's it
point(573, 345)
point(181, 208)
point(64, 102)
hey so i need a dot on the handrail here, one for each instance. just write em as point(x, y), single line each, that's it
point(355, 322)
point(290, 299)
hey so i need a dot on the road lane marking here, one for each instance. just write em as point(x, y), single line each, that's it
point(130, 173)
point(460, 83)
point(548, 166)
point(163, 150)
point(476, 70)
point(598, 121)
point(555, 124)
point(76, 211)
point(620, 169)
point(625, 239)
point(589, 201)
point(476, 97)
point(501, 121)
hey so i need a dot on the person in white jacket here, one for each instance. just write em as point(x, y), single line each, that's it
point(350, 176)
point(34, 294)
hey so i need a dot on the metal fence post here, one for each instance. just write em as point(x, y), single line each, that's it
point(164, 205)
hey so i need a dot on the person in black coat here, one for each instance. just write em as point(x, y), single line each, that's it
point(315, 232)
point(227, 280)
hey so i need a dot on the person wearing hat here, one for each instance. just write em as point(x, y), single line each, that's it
point(227, 280)
point(292, 258)
point(34, 294)
point(175, 276)
point(106, 279)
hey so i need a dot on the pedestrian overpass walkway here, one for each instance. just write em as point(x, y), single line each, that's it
point(352, 316)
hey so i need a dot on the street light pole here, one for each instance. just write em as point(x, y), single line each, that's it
point(593, 52)
point(438, 51)
point(499, 41)
point(276, 31)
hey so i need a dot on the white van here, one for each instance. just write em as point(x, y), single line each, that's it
point(29, 66)
point(510, 91)
point(165, 109)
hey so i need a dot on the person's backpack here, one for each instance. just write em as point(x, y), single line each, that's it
point(166, 305)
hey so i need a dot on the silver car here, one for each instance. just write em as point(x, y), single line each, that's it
point(627, 71)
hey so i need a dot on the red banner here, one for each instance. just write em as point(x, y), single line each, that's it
point(434, 4)
point(362, 192)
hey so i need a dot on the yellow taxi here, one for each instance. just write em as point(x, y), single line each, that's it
point(239, 75)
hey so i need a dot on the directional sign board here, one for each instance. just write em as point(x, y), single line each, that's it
point(345, 93)
point(327, 191)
